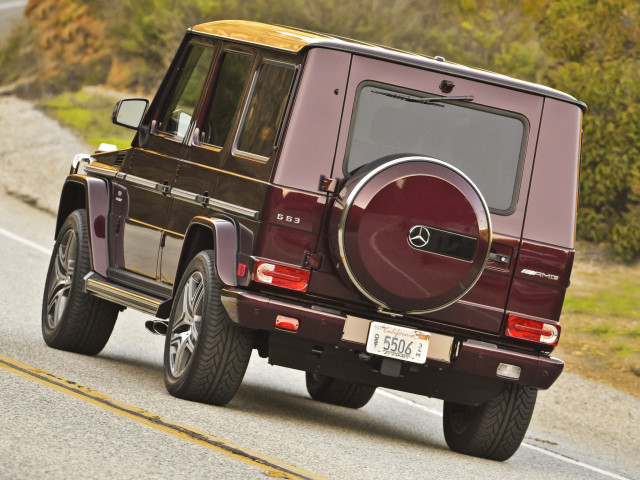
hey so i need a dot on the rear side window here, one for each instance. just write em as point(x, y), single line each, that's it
point(264, 113)
point(232, 77)
point(176, 117)
point(486, 144)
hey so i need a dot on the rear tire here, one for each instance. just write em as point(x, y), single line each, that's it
point(206, 354)
point(72, 319)
point(493, 430)
point(338, 392)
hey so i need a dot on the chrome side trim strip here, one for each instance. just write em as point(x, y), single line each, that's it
point(177, 193)
point(105, 172)
point(101, 288)
point(184, 195)
point(231, 208)
point(142, 182)
point(214, 203)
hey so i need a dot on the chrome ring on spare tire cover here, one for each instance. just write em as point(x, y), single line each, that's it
point(483, 226)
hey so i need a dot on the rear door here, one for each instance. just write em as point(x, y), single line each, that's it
point(491, 138)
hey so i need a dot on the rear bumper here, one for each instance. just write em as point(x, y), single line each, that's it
point(322, 328)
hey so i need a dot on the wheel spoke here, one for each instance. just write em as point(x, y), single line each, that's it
point(181, 350)
point(186, 326)
point(62, 276)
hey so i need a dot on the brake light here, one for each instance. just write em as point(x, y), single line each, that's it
point(532, 330)
point(287, 323)
point(280, 276)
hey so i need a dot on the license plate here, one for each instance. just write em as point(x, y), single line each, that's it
point(398, 342)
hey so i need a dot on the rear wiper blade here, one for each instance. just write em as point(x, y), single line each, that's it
point(426, 101)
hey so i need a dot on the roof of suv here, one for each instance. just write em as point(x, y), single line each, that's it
point(297, 40)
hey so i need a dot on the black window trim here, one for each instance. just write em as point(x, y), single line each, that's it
point(215, 47)
point(212, 83)
point(235, 151)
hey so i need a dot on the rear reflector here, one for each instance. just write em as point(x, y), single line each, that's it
point(242, 270)
point(281, 276)
point(287, 323)
point(508, 371)
point(532, 330)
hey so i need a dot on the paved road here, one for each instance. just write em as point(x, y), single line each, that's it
point(10, 11)
point(54, 429)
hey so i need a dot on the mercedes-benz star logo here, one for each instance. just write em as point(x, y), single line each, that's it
point(418, 236)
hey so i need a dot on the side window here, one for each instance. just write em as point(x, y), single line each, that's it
point(177, 116)
point(264, 113)
point(232, 77)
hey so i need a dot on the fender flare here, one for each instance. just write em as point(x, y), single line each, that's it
point(80, 191)
point(228, 239)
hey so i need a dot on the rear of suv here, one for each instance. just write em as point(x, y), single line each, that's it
point(371, 217)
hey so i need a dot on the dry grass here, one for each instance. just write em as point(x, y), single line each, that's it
point(601, 320)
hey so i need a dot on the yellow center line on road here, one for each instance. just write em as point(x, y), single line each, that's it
point(272, 466)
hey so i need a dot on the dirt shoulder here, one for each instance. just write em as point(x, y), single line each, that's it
point(36, 154)
point(600, 337)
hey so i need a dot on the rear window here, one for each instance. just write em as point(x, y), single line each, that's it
point(484, 143)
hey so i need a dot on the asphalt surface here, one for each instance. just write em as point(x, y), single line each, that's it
point(580, 429)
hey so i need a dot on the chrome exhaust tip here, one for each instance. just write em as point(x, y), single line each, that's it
point(157, 327)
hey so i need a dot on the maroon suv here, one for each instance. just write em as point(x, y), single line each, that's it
point(371, 217)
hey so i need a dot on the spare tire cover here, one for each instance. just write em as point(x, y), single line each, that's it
point(412, 234)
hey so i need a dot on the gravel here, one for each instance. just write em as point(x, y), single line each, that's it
point(35, 154)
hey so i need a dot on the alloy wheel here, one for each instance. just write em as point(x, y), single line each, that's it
point(60, 283)
point(187, 326)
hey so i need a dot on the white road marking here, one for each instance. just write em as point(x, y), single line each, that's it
point(406, 401)
point(574, 462)
point(10, 5)
point(557, 456)
point(25, 241)
point(384, 393)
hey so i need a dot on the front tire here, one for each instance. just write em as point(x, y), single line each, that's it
point(493, 430)
point(338, 392)
point(206, 354)
point(72, 319)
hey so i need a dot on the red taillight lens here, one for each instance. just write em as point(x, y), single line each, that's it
point(532, 330)
point(281, 276)
point(287, 323)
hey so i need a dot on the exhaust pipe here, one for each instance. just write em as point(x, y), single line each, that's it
point(158, 327)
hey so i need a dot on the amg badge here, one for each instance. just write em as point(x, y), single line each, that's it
point(533, 273)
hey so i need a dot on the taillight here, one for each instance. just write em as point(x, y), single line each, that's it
point(532, 330)
point(287, 323)
point(281, 276)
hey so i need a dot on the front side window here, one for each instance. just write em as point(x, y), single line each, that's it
point(486, 144)
point(264, 114)
point(177, 116)
point(232, 77)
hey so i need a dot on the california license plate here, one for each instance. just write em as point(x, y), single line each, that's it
point(398, 342)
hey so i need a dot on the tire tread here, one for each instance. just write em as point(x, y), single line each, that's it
point(87, 323)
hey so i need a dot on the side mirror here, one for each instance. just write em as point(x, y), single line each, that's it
point(129, 112)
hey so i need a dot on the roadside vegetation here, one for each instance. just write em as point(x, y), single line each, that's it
point(88, 114)
point(600, 321)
